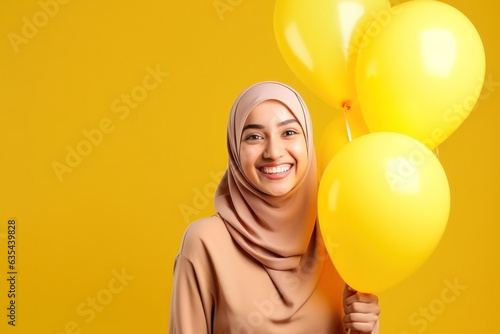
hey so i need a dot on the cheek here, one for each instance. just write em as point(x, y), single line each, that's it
point(299, 151)
point(248, 157)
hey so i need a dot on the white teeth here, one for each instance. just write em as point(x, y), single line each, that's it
point(276, 170)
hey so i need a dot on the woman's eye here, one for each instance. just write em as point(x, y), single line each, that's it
point(289, 132)
point(253, 137)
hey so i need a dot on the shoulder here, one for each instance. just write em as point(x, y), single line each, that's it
point(201, 235)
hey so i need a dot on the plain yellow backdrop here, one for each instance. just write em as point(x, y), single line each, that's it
point(112, 119)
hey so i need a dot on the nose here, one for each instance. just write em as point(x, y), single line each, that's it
point(274, 149)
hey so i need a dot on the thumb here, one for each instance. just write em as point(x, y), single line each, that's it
point(348, 292)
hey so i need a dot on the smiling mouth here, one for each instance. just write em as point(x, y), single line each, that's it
point(276, 170)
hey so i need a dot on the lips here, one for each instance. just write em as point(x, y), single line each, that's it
point(275, 170)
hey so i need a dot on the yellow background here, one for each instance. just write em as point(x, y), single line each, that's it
point(125, 206)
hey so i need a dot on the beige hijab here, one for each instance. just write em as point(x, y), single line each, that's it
point(277, 231)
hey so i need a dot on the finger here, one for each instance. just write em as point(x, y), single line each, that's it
point(359, 307)
point(361, 318)
point(348, 292)
point(362, 298)
point(364, 323)
point(360, 328)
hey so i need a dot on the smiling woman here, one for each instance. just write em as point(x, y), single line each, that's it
point(273, 150)
point(260, 264)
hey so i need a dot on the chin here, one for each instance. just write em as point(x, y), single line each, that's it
point(277, 192)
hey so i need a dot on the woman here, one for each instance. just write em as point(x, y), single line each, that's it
point(260, 264)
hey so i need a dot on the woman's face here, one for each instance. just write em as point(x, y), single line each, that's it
point(273, 151)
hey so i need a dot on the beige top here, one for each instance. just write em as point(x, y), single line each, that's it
point(218, 288)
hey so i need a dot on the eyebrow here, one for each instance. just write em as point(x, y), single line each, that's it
point(280, 124)
point(288, 121)
point(253, 126)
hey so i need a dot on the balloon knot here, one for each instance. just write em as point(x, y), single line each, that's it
point(346, 106)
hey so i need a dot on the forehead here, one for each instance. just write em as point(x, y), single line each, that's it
point(269, 112)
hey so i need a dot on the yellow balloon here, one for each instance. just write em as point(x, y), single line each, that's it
point(383, 205)
point(319, 41)
point(420, 71)
point(336, 135)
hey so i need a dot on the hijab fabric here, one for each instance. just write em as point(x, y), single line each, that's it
point(277, 231)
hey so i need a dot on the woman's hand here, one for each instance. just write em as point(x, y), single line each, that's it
point(360, 312)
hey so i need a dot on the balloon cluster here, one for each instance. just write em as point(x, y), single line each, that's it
point(405, 77)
